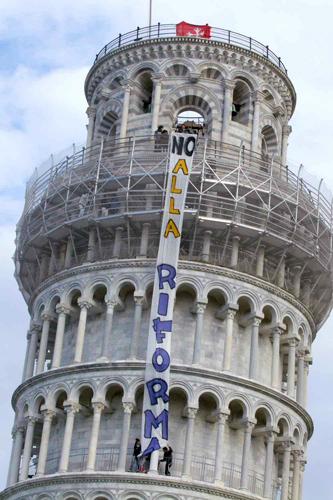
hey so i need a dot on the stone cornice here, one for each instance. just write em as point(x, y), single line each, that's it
point(130, 479)
point(187, 265)
point(175, 369)
point(104, 65)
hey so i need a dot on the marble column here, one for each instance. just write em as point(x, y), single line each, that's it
point(124, 116)
point(297, 280)
point(24, 372)
point(206, 246)
point(291, 368)
point(84, 305)
point(260, 261)
point(15, 460)
point(199, 311)
point(227, 107)
point(219, 450)
point(157, 81)
point(93, 442)
point(70, 409)
point(36, 328)
point(110, 305)
point(62, 312)
point(117, 243)
point(246, 455)
point(307, 292)
point(91, 245)
point(43, 267)
point(254, 348)
point(128, 408)
point(139, 300)
point(302, 469)
point(286, 129)
point(258, 97)
point(191, 413)
point(285, 471)
point(281, 273)
point(227, 355)
point(275, 339)
point(268, 478)
point(47, 318)
point(44, 444)
point(234, 251)
point(297, 455)
point(300, 376)
point(144, 239)
point(91, 112)
point(69, 253)
point(307, 363)
point(28, 441)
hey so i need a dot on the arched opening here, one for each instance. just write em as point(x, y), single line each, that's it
point(56, 433)
point(184, 324)
point(205, 435)
point(192, 108)
point(37, 435)
point(268, 143)
point(177, 428)
point(109, 125)
point(191, 121)
point(82, 430)
point(258, 447)
point(144, 91)
point(123, 323)
point(234, 434)
point(110, 429)
point(212, 345)
point(241, 346)
point(241, 103)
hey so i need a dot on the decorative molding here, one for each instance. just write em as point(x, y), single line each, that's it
point(122, 479)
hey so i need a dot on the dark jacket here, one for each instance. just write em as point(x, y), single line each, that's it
point(137, 449)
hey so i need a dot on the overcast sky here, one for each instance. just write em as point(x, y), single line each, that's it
point(46, 48)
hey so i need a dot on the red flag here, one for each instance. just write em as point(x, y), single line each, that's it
point(186, 29)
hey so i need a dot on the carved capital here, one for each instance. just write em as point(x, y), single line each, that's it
point(200, 307)
point(35, 327)
point(63, 309)
point(98, 406)
point(48, 414)
point(91, 111)
point(128, 407)
point(191, 412)
point(139, 300)
point(84, 304)
point(31, 418)
point(71, 407)
point(286, 129)
point(47, 316)
point(111, 303)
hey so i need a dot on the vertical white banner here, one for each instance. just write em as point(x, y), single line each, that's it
point(155, 432)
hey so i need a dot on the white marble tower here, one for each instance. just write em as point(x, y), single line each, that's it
point(255, 282)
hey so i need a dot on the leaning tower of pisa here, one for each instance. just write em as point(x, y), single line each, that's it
point(254, 282)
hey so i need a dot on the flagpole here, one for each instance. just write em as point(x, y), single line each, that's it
point(150, 15)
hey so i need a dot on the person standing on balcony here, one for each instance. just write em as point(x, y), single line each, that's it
point(167, 458)
point(135, 464)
